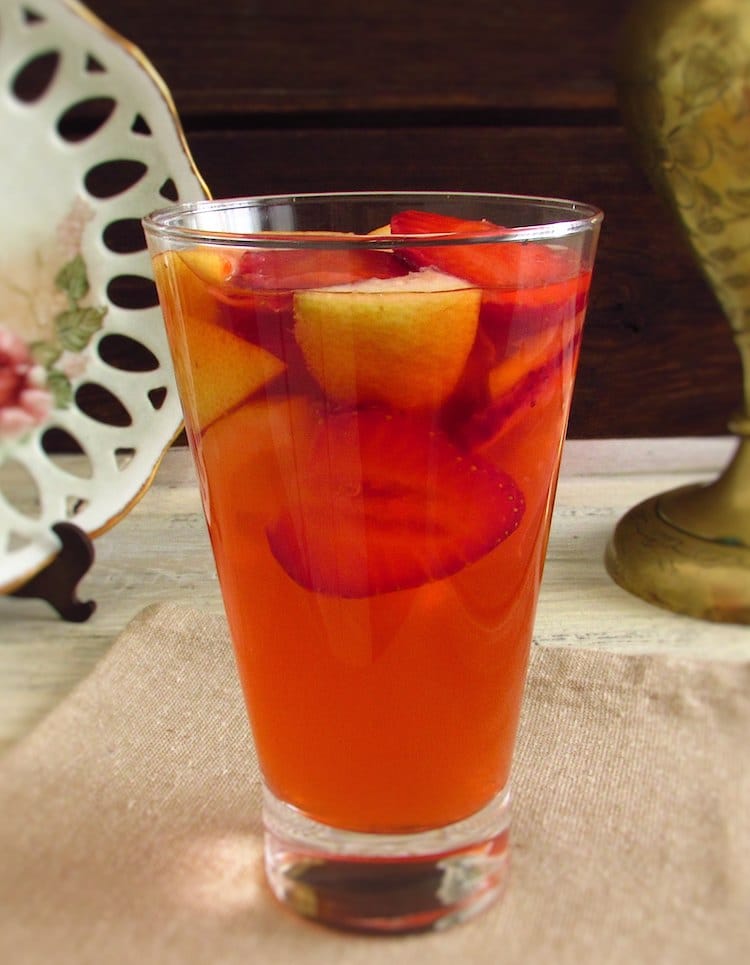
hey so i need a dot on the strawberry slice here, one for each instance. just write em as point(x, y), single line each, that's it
point(514, 391)
point(429, 223)
point(285, 270)
point(533, 310)
point(386, 503)
point(507, 264)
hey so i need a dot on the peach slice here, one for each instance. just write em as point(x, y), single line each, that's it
point(255, 450)
point(215, 266)
point(399, 341)
point(215, 368)
point(224, 369)
point(527, 355)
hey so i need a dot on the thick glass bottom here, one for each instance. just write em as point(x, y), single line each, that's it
point(387, 883)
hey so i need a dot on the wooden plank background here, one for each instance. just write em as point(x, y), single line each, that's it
point(289, 95)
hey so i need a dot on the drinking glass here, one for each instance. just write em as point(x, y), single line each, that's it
point(376, 390)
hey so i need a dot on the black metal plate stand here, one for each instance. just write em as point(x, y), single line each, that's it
point(57, 582)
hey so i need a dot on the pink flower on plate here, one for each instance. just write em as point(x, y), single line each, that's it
point(71, 364)
point(70, 230)
point(24, 401)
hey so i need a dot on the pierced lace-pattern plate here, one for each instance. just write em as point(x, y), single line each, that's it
point(89, 143)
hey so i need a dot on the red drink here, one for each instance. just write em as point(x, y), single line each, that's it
point(377, 433)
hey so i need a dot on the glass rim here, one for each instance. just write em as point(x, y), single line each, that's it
point(165, 222)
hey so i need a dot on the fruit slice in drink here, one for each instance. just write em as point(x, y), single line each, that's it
point(402, 342)
point(216, 369)
point(381, 505)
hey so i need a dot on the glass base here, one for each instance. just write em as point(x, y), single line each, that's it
point(387, 883)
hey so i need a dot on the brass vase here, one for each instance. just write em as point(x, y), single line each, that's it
point(684, 89)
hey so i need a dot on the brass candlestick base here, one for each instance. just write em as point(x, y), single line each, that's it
point(683, 86)
point(689, 549)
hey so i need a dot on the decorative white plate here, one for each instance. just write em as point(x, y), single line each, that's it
point(89, 143)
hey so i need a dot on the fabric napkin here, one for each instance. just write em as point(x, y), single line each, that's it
point(130, 819)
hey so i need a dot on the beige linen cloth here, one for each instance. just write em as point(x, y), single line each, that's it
point(130, 819)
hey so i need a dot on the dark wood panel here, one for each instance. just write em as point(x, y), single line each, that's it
point(657, 358)
point(246, 57)
point(593, 163)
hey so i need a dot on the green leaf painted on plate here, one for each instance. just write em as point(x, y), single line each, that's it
point(45, 353)
point(73, 279)
point(62, 391)
point(76, 326)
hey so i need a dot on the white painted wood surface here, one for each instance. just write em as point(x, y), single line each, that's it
point(160, 552)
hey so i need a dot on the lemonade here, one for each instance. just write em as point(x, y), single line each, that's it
point(377, 423)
